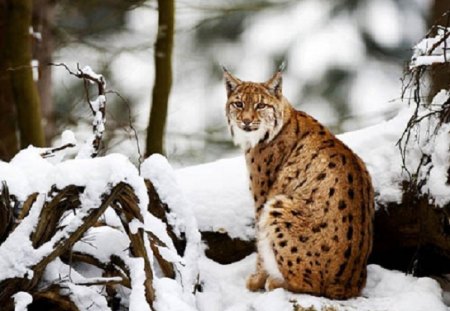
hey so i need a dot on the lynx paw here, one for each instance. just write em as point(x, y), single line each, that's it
point(256, 281)
point(274, 283)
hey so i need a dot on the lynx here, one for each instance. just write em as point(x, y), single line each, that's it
point(313, 196)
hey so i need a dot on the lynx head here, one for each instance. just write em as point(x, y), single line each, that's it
point(254, 110)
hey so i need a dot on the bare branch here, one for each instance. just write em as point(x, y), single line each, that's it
point(130, 124)
point(51, 152)
point(98, 106)
point(101, 281)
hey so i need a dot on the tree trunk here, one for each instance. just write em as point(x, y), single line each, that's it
point(9, 144)
point(163, 77)
point(18, 58)
point(440, 73)
point(43, 16)
point(413, 236)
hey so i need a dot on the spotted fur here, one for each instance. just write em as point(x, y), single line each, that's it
point(313, 196)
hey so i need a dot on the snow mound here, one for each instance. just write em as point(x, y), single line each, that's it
point(224, 290)
point(220, 196)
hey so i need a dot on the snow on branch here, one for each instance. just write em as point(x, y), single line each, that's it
point(424, 159)
point(97, 106)
point(432, 50)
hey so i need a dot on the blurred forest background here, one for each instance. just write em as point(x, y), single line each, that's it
point(345, 60)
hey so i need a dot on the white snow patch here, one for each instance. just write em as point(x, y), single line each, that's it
point(432, 50)
point(102, 242)
point(21, 301)
point(224, 289)
point(220, 197)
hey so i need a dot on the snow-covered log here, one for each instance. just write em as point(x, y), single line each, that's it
point(87, 215)
point(40, 238)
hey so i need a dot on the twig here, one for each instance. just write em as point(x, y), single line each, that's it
point(438, 43)
point(51, 152)
point(442, 113)
point(130, 124)
point(101, 281)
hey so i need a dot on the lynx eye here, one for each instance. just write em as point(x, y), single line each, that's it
point(261, 106)
point(238, 105)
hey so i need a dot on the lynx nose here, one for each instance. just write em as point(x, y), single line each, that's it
point(246, 121)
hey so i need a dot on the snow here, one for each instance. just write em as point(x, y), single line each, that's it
point(137, 277)
point(87, 70)
point(220, 197)
point(21, 301)
point(68, 137)
point(170, 296)
point(102, 242)
point(71, 284)
point(437, 181)
point(432, 50)
point(224, 290)
point(18, 254)
point(376, 145)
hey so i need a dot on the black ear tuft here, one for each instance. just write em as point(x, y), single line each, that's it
point(231, 82)
point(282, 66)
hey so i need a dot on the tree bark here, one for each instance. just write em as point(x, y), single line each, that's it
point(43, 17)
point(413, 236)
point(163, 77)
point(9, 144)
point(17, 55)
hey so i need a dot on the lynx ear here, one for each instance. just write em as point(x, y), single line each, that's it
point(274, 85)
point(231, 82)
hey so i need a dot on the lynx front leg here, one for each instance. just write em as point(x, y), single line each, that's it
point(257, 280)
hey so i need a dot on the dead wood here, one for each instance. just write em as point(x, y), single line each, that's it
point(160, 210)
point(166, 267)
point(413, 236)
point(27, 205)
point(9, 287)
point(6, 213)
point(127, 209)
point(51, 300)
point(71, 257)
point(225, 250)
point(66, 199)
